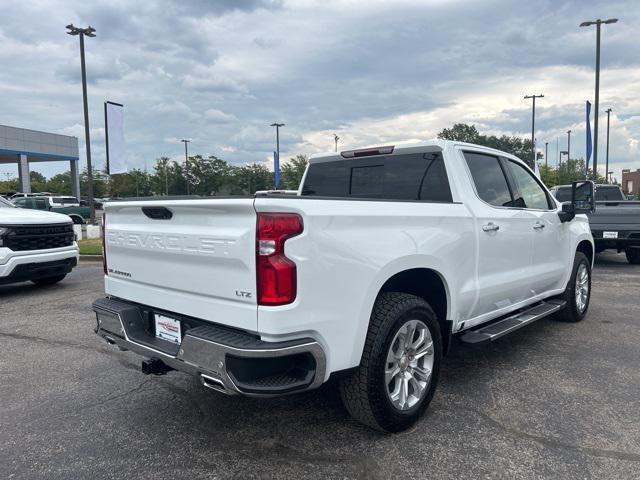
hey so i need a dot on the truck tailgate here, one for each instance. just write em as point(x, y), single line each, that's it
point(200, 262)
point(624, 215)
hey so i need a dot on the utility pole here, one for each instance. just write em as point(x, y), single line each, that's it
point(598, 24)
point(533, 126)
point(335, 139)
point(89, 32)
point(608, 118)
point(186, 162)
point(546, 155)
point(568, 145)
point(276, 164)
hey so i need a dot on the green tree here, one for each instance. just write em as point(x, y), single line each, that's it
point(250, 178)
point(291, 172)
point(461, 132)
point(60, 184)
point(160, 178)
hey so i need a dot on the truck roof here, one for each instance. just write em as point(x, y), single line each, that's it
point(403, 148)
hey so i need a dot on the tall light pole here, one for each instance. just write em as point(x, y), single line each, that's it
point(335, 139)
point(89, 32)
point(533, 126)
point(276, 165)
point(568, 145)
point(186, 162)
point(597, 23)
point(546, 155)
point(608, 110)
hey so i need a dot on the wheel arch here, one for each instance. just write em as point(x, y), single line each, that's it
point(586, 247)
point(77, 219)
point(430, 285)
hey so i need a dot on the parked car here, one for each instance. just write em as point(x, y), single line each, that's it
point(383, 256)
point(35, 246)
point(84, 201)
point(616, 222)
point(60, 204)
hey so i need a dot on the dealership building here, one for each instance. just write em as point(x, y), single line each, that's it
point(23, 147)
point(631, 182)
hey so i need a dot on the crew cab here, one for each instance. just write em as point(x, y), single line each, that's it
point(382, 257)
point(58, 204)
point(615, 224)
point(35, 246)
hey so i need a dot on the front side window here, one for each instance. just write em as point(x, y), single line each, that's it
point(489, 179)
point(528, 192)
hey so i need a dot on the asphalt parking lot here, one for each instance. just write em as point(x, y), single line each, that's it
point(553, 400)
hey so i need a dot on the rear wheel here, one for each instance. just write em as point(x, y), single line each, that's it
point(48, 280)
point(633, 255)
point(578, 291)
point(398, 373)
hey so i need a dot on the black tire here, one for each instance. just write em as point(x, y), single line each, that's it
point(364, 392)
point(571, 312)
point(633, 255)
point(77, 220)
point(48, 280)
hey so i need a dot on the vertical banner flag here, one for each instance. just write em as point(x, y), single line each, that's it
point(276, 169)
point(114, 134)
point(589, 145)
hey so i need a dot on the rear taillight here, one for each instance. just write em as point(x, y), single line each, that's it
point(104, 243)
point(275, 273)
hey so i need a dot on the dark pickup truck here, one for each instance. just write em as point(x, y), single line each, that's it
point(615, 224)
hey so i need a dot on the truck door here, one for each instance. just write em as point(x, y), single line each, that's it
point(505, 238)
point(550, 245)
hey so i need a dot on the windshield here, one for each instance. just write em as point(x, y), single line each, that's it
point(6, 203)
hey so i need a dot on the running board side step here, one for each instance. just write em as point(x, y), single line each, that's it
point(493, 331)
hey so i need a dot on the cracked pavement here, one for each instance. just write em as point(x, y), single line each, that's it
point(552, 400)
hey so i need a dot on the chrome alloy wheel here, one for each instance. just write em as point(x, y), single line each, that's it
point(409, 365)
point(582, 287)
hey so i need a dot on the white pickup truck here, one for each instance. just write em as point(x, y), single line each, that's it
point(35, 246)
point(383, 256)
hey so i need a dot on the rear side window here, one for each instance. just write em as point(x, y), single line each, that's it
point(489, 179)
point(420, 176)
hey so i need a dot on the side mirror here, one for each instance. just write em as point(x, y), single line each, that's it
point(583, 197)
point(582, 200)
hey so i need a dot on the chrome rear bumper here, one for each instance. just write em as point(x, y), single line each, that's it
point(226, 360)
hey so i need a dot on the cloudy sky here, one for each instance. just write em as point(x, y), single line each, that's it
point(219, 72)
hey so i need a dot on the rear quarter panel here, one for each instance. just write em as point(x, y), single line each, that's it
point(349, 249)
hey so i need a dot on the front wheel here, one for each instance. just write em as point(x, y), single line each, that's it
point(578, 291)
point(633, 255)
point(398, 373)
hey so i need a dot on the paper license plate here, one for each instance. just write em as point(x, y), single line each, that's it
point(168, 329)
point(609, 234)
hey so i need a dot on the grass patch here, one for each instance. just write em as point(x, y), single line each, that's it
point(90, 246)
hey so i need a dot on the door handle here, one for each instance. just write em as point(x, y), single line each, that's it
point(490, 227)
point(538, 226)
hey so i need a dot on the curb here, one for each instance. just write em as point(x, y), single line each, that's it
point(91, 258)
